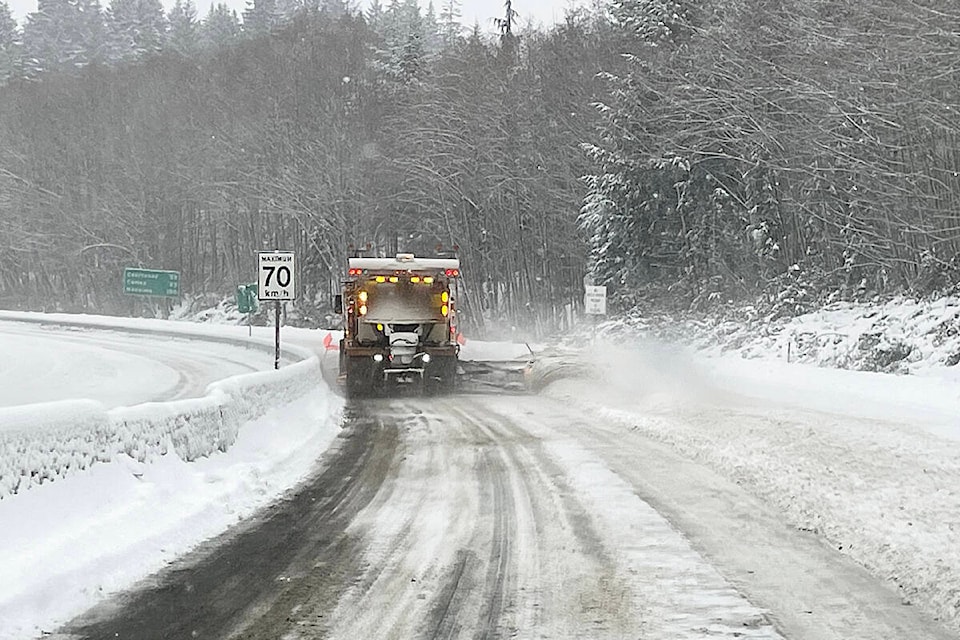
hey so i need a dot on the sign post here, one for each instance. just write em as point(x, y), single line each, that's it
point(276, 281)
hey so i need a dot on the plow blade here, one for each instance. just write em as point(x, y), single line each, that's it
point(524, 375)
point(482, 376)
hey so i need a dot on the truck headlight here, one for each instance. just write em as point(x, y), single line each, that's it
point(426, 358)
point(378, 357)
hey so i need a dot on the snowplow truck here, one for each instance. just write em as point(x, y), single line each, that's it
point(399, 325)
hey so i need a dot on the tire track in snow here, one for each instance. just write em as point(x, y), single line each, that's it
point(276, 575)
point(497, 504)
point(437, 535)
point(579, 596)
point(672, 590)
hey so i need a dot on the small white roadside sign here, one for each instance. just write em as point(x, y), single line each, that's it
point(595, 300)
point(276, 278)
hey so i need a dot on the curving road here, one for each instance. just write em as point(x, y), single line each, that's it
point(55, 362)
point(509, 517)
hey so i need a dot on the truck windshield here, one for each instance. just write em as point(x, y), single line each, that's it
point(403, 302)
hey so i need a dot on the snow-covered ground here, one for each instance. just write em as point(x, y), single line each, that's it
point(99, 519)
point(114, 368)
point(81, 538)
point(111, 497)
point(47, 369)
point(867, 460)
point(903, 335)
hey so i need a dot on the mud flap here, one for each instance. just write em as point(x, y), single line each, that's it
point(440, 376)
point(363, 378)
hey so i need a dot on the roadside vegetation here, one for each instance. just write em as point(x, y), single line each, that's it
point(689, 155)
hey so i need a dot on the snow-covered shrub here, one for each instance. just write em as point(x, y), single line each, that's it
point(935, 275)
point(879, 352)
point(190, 428)
point(795, 292)
point(43, 442)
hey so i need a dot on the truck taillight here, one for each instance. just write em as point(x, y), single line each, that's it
point(354, 272)
point(452, 273)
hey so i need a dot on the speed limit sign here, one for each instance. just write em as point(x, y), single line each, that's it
point(276, 275)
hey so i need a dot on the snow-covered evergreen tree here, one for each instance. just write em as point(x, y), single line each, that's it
point(431, 30)
point(221, 26)
point(63, 35)
point(634, 209)
point(10, 44)
point(261, 16)
point(137, 28)
point(184, 31)
point(375, 15)
point(507, 23)
point(449, 25)
point(402, 53)
point(654, 21)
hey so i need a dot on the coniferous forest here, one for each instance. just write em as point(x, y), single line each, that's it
point(686, 153)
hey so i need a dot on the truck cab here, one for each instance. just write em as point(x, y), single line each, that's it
point(399, 324)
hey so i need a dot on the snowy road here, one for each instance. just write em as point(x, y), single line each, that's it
point(510, 517)
point(48, 362)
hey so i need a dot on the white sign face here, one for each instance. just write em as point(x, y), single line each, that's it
point(276, 275)
point(595, 300)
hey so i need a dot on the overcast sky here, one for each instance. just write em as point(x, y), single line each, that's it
point(483, 11)
point(479, 11)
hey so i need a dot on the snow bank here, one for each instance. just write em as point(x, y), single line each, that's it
point(159, 478)
point(78, 541)
point(902, 335)
point(868, 461)
point(42, 442)
point(254, 337)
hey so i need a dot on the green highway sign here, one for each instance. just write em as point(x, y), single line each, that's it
point(151, 282)
point(247, 298)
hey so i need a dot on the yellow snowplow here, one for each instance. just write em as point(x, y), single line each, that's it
point(399, 325)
